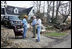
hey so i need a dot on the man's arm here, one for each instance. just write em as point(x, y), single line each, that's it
point(23, 23)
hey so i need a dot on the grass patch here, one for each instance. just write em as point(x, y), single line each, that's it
point(55, 34)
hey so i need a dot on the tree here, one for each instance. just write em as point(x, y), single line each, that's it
point(64, 10)
point(57, 6)
point(67, 11)
point(37, 4)
point(48, 11)
point(44, 8)
point(53, 11)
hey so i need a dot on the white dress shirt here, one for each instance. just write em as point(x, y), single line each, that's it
point(39, 22)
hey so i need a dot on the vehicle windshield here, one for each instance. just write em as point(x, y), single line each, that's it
point(13, 18)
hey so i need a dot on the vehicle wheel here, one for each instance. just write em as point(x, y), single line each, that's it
point(1, 22)
point(5, 23)
point(9, 25)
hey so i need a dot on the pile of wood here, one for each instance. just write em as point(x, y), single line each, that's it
point(63, 26)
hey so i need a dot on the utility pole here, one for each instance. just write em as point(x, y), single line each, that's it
point(5, 5)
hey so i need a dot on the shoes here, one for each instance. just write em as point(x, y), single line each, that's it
point(33, 37)
point(37, 40)
point(24, 37)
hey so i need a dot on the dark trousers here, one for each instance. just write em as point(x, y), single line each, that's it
point(34, 31)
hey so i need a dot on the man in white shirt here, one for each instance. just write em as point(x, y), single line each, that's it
point(38, 28)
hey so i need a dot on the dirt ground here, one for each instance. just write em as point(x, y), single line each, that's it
point(29, 42)
point(25, 43)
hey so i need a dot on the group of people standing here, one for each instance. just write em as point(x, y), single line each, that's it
point(35, 22)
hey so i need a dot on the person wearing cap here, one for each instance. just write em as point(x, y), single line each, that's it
point(34, 26)
point(38, 28)
point(25, 25)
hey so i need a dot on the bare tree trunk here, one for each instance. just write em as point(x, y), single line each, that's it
point(5, 8)
point(57, 8)
point(48, 11)
point(44, 8)
point(39, 5)
point(53, 11)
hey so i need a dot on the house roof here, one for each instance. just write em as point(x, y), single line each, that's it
point(15, 10)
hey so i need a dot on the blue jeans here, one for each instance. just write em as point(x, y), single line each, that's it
point(38, 32)
point(24, 33)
